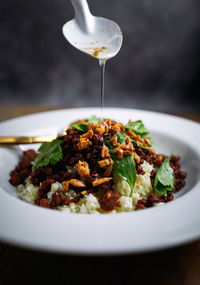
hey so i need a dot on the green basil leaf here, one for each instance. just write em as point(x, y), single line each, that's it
point(94, 119)
point(126, 169)
point(81, 127)
point(164, 179)
point(138, 128)
point(49, 153)
point(121, 137)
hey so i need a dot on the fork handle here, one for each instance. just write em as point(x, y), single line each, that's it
point(25, 140)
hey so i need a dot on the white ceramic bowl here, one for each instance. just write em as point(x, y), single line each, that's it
point(155, 228)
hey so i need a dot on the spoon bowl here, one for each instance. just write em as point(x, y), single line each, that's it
point(95, 36)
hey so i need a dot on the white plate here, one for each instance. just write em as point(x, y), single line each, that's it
point(156, 228)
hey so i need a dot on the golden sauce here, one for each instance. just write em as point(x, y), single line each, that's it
point(98, 50)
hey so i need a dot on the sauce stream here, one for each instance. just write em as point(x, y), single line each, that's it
point(102, 64)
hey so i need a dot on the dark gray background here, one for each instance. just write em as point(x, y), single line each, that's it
point(157, 67)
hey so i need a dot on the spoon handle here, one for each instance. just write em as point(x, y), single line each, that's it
point(25, 140)
point(82, 15)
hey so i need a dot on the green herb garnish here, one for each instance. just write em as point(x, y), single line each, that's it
point(50, 152)
point(164, 180)
point(138, 128)
point(93, 119)
point(83, 126)
point(121, 137)
point(124, 167)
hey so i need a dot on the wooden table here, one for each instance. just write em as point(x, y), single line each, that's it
point(180, 265)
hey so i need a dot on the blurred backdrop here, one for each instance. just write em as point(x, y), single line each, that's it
point(158, 67)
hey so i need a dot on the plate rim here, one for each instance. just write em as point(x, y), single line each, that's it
point(192, 237)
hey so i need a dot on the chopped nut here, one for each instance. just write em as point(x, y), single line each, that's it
point(74, 182)
point(134, 136)
point(109, 122)
point(109, 168)
point(103, 163)
point(136, 157)
point(127, 152)
point(117, 127)
point(129, 144)
point(91, 125)
point(105, 151)
point(160, 157)
point(122, 145)
point(65, 185)
point(118, 151)
point(77, 183)
point(83, 169)
point(100, 130)
point(89, 134)
point(113, 140)
point(147, 142)
point(84, 143)
point(99, 181)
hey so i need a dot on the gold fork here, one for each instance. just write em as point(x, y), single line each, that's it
point(25, 140)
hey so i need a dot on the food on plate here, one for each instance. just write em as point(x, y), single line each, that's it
point(98, 166)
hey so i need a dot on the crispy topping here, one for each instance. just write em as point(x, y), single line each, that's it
point(77, 183)
point(127, 152)
point(100, 130)
point(109, 168)
point(89, 134)
point(159, 156)
point(103, 163)
point(65, 185)
point(99, 181)
point(83, 169)
point(109, 122)
point(129, 144)
point(136, 157)
point(106, 126)
point(124, 149)
point(147, 142)
point(91, 125)
point(105, 151)
point(74, 182)
point(117, 127)
point(153, 151)
point(113, 140)
point(134, 136)
point(118, 151)
point(138, 139)
point(84, 143)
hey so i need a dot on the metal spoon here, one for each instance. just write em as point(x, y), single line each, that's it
point(95, 36)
